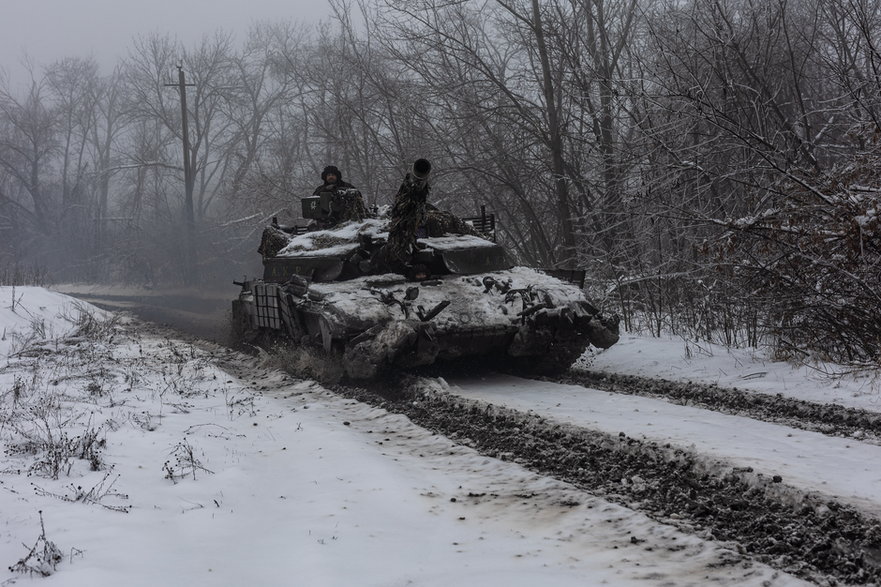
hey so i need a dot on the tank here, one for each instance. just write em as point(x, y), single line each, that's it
point(334, 292)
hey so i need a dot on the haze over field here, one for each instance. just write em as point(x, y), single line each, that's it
point(50, 30)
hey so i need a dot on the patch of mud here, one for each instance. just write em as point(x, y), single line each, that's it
point(829, 419)
point(802, 534)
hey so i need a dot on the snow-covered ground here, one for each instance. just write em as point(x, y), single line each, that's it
point(152, 461)
point(808, 462)
point(678, 359)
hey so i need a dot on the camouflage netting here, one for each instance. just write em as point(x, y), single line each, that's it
point(347, 205)
point(273, 240)
point(411, 214)
point(439, 223)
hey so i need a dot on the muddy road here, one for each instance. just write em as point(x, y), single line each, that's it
point(810, 534)
point(200, 313)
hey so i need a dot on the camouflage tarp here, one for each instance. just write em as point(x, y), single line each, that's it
point(273, 240)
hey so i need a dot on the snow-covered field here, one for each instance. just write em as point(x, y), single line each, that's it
point(152, 461)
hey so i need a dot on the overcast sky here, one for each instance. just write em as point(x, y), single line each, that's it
point(52, 29)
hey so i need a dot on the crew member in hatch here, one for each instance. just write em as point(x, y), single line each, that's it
point(333, 181)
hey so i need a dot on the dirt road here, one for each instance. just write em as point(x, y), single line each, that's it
point(202, 313)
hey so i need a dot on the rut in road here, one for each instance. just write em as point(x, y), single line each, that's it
point(830, 419)
point(818, 540)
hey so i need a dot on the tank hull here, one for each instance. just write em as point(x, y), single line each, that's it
point(374, 323)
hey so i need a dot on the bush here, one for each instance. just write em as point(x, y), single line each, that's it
point(811, 260)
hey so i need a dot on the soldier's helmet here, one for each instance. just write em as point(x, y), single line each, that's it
point(331, 169)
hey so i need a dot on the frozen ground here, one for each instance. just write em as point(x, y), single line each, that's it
point(154, 461)
point(678, 359)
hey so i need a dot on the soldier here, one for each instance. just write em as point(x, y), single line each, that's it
point(343, 201)
point(332, 180)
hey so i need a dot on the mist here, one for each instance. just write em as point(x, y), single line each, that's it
point(37, 34)
point(704, 184)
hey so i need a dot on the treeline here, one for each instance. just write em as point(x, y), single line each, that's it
point(713, 164)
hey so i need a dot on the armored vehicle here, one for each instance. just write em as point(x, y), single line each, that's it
point(329, 292)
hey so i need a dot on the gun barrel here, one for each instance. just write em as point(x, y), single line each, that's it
point(421, 169)
point(417, 179)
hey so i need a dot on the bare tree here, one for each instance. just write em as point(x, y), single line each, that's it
point(28, 142)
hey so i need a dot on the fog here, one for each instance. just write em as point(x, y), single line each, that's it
point(664, 162)
point(44, 31)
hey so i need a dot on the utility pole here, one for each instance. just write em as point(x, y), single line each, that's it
point(191, 265)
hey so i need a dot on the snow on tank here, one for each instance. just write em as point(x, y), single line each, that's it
point(331, 290)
